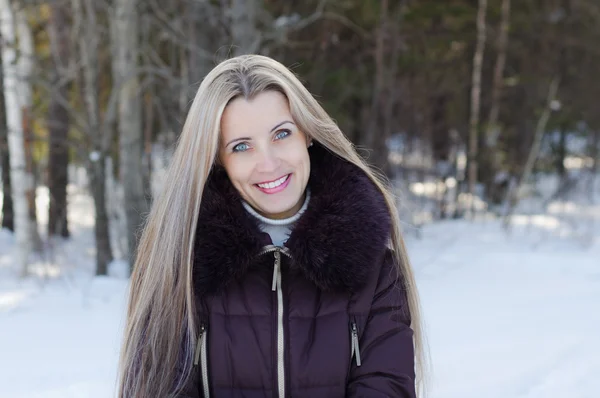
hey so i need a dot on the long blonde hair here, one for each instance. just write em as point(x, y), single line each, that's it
point(160, 330)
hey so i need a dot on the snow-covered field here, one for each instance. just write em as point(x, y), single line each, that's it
point(506, 316)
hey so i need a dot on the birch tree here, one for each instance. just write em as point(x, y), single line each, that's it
point(12, 101)
point(125, 36)
point(25, 68)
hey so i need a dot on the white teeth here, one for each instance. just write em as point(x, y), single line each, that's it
point(274, 184)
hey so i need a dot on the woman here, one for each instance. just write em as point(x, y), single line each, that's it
point(272, 264)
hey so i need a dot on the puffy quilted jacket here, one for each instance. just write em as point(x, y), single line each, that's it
point(323, 316)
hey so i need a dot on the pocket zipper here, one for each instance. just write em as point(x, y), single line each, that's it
point(202, 358)
point(355, 346)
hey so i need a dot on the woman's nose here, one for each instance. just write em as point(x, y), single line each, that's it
point(267, 161)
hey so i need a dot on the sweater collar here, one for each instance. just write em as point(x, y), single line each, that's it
point(335, 242)
point(285, 221)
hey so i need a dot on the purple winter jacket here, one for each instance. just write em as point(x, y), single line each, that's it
point(325, 316)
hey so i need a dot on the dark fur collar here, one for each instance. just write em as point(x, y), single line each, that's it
point(337, 240)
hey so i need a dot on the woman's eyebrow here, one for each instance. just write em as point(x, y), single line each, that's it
point(249, 138)
point(281, 124)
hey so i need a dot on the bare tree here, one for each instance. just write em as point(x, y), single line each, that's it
point(513, 193)
point(97, 128)
point(125, 35)
point(493, 129)
point(476, 100)
point(22, 182)
point(58, 120)
point(25, 67)
point(386, 90)
point(7, 203)
point(245, 35)
point(202, 19)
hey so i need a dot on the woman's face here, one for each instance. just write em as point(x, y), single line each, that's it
point(265, 154)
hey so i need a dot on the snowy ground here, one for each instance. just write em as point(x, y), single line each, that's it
point(506, 316)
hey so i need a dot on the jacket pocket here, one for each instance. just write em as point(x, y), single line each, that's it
point(201, 359)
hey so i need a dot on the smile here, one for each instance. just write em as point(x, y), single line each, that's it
point(274, 186)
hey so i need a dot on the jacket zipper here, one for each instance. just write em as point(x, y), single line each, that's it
point(355, 346)
point(202, 357)
point(280, 336)
point(276, 287)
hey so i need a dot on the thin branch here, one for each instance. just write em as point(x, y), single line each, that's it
point(174, 33)
point(513, 194)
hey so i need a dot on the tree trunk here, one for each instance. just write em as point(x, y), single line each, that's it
point(13, 102)
point(375, 136)
point(565, 80)
point(493, 129)
point(25, 65)
point(245, 35)
point(561, 151)
point(88, 48)
point(58, 123)
point(97, 172)
point(131, 134)
point(441, 142)
point(7, 203)
point(30, 169)
point(595, 151)
point(200, 28)
point(476, 100)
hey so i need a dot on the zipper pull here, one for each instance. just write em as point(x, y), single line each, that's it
point(276, 270)
point(355, 345)
point(199, 344)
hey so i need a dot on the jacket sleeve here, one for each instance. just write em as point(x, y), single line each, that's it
point(386, 344)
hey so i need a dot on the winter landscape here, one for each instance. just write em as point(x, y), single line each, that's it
point(482, 114)
point(506, 315)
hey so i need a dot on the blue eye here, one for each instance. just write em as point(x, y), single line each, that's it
point(241, 147)
point(282, 134)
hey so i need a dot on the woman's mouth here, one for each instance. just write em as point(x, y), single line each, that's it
point(275, 186)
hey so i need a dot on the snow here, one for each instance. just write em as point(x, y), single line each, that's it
point(506, 315)
point(509, 317)
point(60, 329)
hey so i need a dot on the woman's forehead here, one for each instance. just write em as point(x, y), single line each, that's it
point(257, 115)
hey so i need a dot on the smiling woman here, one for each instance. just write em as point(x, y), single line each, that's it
point(272, 263)
point(266, 155)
